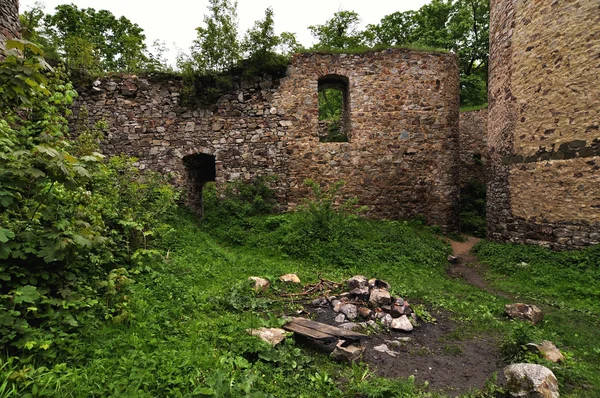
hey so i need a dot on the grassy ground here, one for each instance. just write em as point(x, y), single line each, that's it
point(191, 309)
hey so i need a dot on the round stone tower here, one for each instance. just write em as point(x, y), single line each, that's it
point(544, 122)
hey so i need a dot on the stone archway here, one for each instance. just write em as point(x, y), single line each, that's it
point(200, 169)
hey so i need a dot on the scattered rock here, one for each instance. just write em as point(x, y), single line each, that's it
point(360, 291)
point(320, 301)
point(272, 336)
point(349, 326)
point(379, 284)
point(547, 350)
point(349, 354)
point(387, 320)
point(364, 312)
point(289, 278)
point(526, 312)
point(350, 311)
point(337, 304)
point(402, 324)
point(530, 380)
point(357, 281)
point(384, 349)
point(379, 297)
point(260, 284)
point(341, 318)
point(396, 311)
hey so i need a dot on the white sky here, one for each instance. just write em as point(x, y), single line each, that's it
point(174, 21)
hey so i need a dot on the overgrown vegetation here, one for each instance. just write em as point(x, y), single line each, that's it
point(473, 208)
point(565, 284)
point(71, 222)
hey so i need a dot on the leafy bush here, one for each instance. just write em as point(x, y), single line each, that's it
point(67, 215)
point(473, 212)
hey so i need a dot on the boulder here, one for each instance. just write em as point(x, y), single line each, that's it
point(547, 350)
point(379, 297)
point(529, 380)
point(526, 312)
point(349, 354)
point(403, 324)
point(272, 336)
point(260, 284)
point(289, 278)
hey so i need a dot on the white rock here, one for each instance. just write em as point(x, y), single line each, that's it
point(402, 324)
point(289, 278)
point(341, 318)
point(531, 380)
point(260, 284)
point(272, 336)
point(350, 311)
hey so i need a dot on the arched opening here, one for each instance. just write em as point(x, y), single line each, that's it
point(201, 168)
point(334, 109)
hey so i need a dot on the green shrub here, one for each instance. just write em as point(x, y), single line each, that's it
point(68, 216)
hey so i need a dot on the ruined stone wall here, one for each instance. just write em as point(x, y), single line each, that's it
point(9, 21)
point(401, 159)
point(473, 147)
point(544, 115)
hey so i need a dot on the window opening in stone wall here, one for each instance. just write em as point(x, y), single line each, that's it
point(334, 105)
point(201, 169)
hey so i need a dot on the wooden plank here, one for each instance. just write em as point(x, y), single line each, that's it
point(312, 333)
point(328, 329)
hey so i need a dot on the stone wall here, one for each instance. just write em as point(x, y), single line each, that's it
point(473, 147)
point(544, 115)
point(401, 159)
point(9, 21)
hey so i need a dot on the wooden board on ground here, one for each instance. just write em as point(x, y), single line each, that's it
point(326, 332)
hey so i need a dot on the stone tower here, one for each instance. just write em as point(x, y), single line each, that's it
point(544, 122)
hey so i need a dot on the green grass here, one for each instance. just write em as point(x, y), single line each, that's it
point(191, 309)
point(473, 107)
point(567, 286)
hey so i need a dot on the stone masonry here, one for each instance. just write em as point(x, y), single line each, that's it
point(9, 21)
point(473, 147)
point(544, 115)
point(401, 159)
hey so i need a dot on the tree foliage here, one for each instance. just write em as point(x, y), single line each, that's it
point(67, 214)
point(461, 26)
point(217, 47)
point(339, 32)
point(88, 41)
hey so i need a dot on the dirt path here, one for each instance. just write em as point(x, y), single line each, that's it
point(469, 268)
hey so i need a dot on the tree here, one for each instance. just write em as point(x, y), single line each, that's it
point(340, 32)
point(394, 29)
point(217, 47)
point(96, 41)
point(461, 26)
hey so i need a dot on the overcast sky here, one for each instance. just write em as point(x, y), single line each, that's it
point(175, 21)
